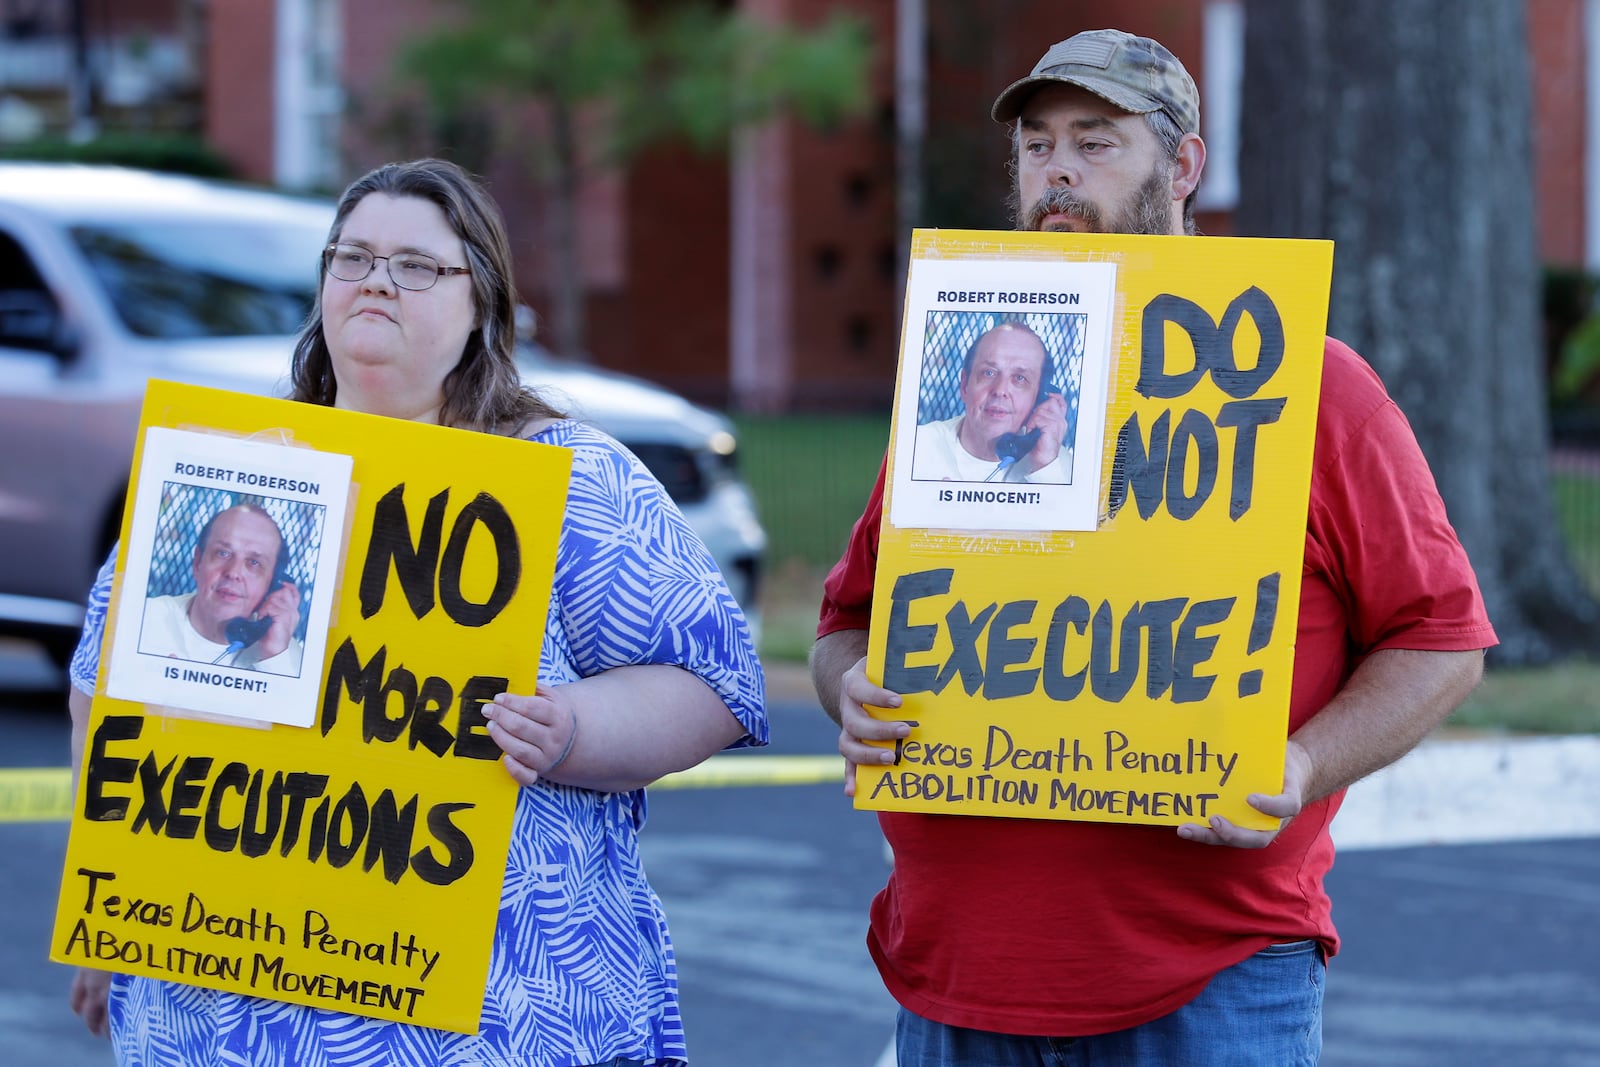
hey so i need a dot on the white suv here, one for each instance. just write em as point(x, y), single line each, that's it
point(110, 277)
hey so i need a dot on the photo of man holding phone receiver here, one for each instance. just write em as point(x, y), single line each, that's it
point(1013, 424)
point(244, 609)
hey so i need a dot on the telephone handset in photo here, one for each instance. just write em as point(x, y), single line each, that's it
point(1011, 447)
point(242, 631)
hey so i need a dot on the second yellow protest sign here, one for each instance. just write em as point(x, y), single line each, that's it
point(1102, 630)
point(354, 864)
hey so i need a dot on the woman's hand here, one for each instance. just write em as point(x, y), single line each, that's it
point(617, 730)
point(90, 991)
point(535, 732)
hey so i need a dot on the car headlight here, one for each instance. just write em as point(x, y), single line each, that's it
point(721, 457)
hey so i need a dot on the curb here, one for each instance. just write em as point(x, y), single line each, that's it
point(1457, 787)
point(1454, 790)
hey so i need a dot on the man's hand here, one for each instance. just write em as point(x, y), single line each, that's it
point(858, 726)
point(1050, 417)
point(283, 604)
point(1283, 806)
point(90, 991)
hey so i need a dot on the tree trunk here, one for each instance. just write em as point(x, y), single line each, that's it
point(1401, 129)
point(565, 265)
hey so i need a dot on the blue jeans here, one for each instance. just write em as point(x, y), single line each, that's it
point(1265, 1011)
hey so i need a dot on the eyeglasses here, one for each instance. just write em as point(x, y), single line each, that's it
point(408, 270)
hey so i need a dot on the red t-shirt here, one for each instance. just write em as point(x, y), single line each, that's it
point(1052, 928)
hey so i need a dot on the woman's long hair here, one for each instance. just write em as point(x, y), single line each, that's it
point(484, 391)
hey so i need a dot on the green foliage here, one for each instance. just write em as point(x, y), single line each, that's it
point(1578, 362)
point(1572, 332)
point(580, 83)
point(555, 50)
point(179, 155)
point(718, 72)
point(693, 72)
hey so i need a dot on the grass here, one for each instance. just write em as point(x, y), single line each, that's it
point(811, 475)
point(1563, 699)
point(790, 597)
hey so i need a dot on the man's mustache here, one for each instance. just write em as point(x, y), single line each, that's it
point(1060, 200)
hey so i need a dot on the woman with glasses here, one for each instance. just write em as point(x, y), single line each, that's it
point(415, 320)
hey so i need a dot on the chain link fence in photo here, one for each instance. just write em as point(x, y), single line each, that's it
point(184, 511)
point(951, 335)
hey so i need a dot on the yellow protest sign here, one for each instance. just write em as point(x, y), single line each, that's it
point(355, 864)
point(1134, 666)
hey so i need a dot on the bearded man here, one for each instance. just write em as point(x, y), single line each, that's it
point(1020, 941)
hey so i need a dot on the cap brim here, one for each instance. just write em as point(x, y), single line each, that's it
point(1008, 105)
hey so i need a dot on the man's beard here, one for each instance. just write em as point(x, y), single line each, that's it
point(1147, 211)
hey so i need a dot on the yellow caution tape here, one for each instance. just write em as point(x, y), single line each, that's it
point(35, 794)
point(720, 772)
point(44, 794)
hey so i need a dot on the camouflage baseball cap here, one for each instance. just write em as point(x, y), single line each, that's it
point(1134, 73)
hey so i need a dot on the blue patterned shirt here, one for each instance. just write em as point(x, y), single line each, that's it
point(582, 969)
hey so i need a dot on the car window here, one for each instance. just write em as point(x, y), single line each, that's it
point(172, 280)
point(28, 313)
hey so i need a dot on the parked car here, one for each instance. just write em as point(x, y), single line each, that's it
point(110, 277)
